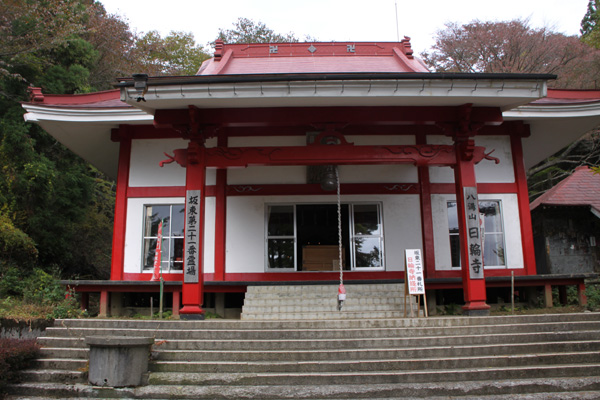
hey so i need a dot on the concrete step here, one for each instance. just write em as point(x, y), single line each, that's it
point(298, 302)
point(330, 301)
point(324, 333)
point(379, 365)
point(70, 364)
point(323, 308)
point(53, 375)
point(340, 344)
point(312, 324)
point(375, 343)
point(532, 389)
point(323, 315)
point(162, 354)
point(374, 377)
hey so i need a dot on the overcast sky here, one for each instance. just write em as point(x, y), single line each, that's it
point(343, 20)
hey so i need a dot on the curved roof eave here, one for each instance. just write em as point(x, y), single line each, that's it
point(553, 126)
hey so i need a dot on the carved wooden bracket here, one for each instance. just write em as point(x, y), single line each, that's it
point(183, 157)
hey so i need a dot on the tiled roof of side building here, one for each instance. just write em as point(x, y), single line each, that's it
point(581, 188)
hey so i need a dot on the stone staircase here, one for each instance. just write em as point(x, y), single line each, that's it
point(291, 302)
point(554, 356)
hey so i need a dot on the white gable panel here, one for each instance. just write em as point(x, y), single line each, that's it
point(146, 154)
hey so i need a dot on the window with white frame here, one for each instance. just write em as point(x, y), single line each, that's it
point(281, 236)
point(172, 217)
point(367, 236)
point(494, 245)
point(290, 228)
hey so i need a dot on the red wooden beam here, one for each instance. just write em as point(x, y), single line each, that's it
point(347, 154)
point(311, 116)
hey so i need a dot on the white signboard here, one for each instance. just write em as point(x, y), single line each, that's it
point(192, 209)
point(475, 254)
point(414, 271)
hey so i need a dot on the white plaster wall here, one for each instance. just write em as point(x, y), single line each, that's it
point(486, 171)
point(378, 173)
point(145, 156)
point(266, 175)
point(297, 174)
point(135, 225)
point(246, 227)
point(511, 222)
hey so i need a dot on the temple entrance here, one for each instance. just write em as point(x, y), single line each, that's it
point(317, 244)
point(304, 237)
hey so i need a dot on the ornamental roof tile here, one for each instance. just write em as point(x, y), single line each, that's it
point(581, 188)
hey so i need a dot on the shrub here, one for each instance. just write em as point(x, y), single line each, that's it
point(42, 288)
point(592, 292)
point(15, 354)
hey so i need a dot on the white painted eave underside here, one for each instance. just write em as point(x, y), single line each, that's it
point(505, 94)
point(553, 127)
point(87, 132)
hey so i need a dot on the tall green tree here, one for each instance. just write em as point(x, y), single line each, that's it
point(175, 54)
point(589, 23)
point(48, 196)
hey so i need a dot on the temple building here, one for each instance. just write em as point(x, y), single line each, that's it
point(241, 164)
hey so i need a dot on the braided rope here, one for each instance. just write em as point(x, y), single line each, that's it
point(339, 211)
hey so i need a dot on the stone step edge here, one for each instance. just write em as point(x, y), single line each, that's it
point(439, 320)
point(391, 360)
point(440, 372)
point(449, 390)
point(79, 340)
point(353, 350)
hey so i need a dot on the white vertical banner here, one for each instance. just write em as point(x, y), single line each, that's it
point(474, 233)
point(414, 271)
point(191, 256)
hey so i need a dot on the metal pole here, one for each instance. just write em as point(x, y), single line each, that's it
point(512, 291)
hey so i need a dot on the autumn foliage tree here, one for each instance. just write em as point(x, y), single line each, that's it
point(514, 47)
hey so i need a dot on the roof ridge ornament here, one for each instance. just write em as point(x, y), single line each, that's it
point(219, 47)
point(35, 94)
point(406, 47)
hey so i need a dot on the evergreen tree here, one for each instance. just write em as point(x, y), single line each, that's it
point(247, 31)
point(589, 22)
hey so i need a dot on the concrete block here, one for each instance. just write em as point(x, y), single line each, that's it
point(118, 361)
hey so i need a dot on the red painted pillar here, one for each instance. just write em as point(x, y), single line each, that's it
point(118, 244)
point(193, 282)
point(220, 219)
point(103, 304)
point(176, 302)
point(524, 211)
point(426, 216)
point(468, 226)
